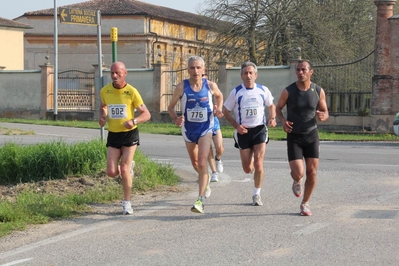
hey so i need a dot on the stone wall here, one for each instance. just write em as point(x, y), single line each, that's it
point(29, 93)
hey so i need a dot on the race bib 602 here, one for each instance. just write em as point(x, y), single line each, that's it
point(117, 111)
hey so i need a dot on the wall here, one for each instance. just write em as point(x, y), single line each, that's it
point(24, 99)
point(275, 78)
point(20, 94)
point(12, 48)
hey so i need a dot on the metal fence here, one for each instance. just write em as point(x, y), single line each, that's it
point(348, 86)
point(76, 91)
point(175, 77)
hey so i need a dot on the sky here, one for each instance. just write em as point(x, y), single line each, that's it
point(11, 9)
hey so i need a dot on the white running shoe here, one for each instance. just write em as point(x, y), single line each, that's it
point(219, 165)
point(256, 200)
point(127, 207)
point(198, 206)
point(305, 210)
point(208, 191)
point(215, 177)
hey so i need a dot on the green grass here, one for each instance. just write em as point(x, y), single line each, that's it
point(53, 160)
point(28, 164)
point(227, 131)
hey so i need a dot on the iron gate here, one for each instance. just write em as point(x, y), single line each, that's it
point(76, 91)
point(175, 77)
point(348, 86)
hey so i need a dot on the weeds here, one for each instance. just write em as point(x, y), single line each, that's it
point(58, 160)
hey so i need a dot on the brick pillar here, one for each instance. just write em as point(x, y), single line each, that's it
point(383, 37)
point(381, 103)
point(47, 90)
point(394, 24)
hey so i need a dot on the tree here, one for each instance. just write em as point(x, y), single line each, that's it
point(268, 32)
point(239, 36)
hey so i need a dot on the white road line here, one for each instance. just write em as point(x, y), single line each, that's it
point(57, 238)
point(379, 165)
point(311, 228)
point(16, 262)
point(244, 180)
point(112, 221)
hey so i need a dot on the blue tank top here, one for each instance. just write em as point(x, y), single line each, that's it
point(197, 108)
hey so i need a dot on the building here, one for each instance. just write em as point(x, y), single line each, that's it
point(146, 34)
point(12, 44)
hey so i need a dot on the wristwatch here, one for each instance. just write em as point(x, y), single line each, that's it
point(134, 122)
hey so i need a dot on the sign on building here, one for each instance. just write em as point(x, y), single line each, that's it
point(79, 16)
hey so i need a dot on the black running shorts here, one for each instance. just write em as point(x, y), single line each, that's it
point(303, 145)
point(126, 139)
point(256, 135)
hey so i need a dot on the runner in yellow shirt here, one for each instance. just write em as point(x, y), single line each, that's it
point(118, 102)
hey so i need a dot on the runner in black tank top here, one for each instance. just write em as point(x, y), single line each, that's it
point(305, 101)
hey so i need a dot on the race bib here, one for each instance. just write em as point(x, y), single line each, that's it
point(197, 114)
point(117, 111)
point(251, 112)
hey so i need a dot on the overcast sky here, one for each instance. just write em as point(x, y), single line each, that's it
point(11, 9)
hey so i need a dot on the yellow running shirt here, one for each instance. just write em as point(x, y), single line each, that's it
point(120, 104)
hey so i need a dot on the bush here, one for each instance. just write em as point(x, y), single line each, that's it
point(54, 160)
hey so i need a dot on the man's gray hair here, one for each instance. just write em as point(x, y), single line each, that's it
point(247, 64)
point(196, 58)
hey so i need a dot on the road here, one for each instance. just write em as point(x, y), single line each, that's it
point(355, 213)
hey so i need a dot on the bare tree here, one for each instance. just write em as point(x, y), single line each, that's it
point(239, 37)
point(268, 31)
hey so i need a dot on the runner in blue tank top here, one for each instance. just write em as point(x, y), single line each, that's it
point(197, 108)
point(197, 120)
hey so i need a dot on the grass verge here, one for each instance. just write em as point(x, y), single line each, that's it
point(31, 177)
point(227, 131)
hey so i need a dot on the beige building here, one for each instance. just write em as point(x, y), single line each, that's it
point(12, 44)
point(146, 34)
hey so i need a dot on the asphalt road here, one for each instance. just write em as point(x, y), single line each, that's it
point(355, 213)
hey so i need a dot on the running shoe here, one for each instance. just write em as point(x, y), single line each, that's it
point(215, 177)
point(131, 168)
point(257, 201)
point(127, 207)
point(198, 206)
point(305, 211)
point(208, 191)
point(297, 188)
point(219, 165)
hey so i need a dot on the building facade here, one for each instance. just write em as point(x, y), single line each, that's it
point(12, 44)
point(146, 34)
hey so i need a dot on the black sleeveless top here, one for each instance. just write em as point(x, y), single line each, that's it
point(302, 106)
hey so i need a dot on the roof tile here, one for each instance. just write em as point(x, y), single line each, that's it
point(13, 24)
point(132, 7)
